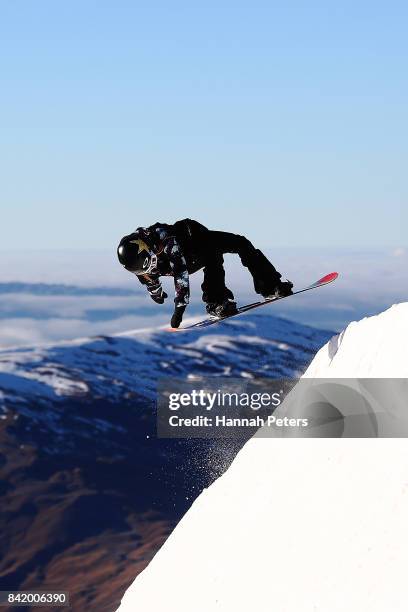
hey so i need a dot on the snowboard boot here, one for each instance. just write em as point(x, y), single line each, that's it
point(224, 309)
point(282, 289)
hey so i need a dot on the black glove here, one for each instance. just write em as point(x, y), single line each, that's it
point(159, 297)
point(177, 317)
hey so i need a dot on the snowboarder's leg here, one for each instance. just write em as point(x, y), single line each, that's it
point(266, 278)
point(218, 298)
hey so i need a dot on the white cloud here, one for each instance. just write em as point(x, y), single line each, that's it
point(25, 332)
point(68, 306)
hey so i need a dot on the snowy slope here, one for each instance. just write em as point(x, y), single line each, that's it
point(305, 525)
point(373, 347)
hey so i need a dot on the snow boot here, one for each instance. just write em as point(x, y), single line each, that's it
point(282, 289)
point(224, 309)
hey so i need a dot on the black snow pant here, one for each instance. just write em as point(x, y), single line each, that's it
point(204, 248)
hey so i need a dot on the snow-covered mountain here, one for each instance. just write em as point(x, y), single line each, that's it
point(299, 525)
point(112, 367)
point(85, 480)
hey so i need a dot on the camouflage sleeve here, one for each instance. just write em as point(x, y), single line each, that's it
point(152, 283)
point(179, 270)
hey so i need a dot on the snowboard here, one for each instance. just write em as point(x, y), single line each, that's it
point(325, 280)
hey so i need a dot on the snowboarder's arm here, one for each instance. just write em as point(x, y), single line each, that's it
point(179, 270)
point(153, 286)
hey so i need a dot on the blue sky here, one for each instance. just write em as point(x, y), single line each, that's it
point(285, 121)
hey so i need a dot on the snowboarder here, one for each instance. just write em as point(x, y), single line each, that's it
point(187, 246)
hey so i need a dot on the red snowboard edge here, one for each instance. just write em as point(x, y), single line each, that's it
point(327, 279)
